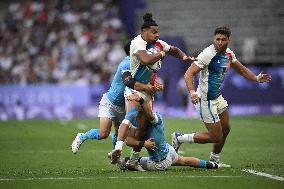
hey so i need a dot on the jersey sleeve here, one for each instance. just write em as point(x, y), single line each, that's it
point(124, 66)
point(166, 46)
point(203, 60)
point(137, 45)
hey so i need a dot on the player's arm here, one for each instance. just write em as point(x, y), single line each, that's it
point(130, 82)
point(189, 80)
point(149, 59)
point(133, 142)
point(247, 73)
point(176, 52)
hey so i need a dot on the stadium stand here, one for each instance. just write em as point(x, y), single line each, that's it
point(44, 44)
point(256, 25)
point(59, 42)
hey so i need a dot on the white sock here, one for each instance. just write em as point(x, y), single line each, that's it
point(118, 145)
point(134, 155)
point(186, 138)
point(156, 119)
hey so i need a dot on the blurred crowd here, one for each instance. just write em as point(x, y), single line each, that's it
point(60, 41)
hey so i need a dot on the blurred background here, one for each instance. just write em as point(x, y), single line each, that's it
point(58, 57)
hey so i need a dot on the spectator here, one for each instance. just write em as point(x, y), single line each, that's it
point(59, 42)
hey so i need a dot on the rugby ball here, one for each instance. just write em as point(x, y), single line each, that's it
point(152, 49)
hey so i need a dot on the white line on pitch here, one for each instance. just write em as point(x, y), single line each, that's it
point(263, 174)
point(89, 178)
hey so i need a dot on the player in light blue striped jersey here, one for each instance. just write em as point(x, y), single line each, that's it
point(212, 64)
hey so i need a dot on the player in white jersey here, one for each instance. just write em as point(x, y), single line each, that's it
point(146, 54)
point(212, 64)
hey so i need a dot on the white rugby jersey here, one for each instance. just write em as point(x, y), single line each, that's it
point(214, 66)
point(143, 73)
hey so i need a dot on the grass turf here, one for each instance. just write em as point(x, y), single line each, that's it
point(36, 154)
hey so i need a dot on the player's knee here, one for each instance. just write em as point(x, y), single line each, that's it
point(127, 143)
point(216, 138)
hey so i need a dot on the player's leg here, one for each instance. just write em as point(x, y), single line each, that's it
point(147, 164)
point(210, 118)
point(195, 162)
point(217, 147)
point(225, 124)
point(148, 111)
point(98, 134)
point(132, 108)
point(170, 159)
point(130, 120)
point(140, 134)
point(214, 135)
point(115, 134)
point(224, 118)
point(147, 105)
point(101, 133)
point(107, 113)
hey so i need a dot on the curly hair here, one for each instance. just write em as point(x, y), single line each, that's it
point(148, 21)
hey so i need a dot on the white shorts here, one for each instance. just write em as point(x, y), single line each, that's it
point(109, 110)
point(150, 165)
point(209, 110)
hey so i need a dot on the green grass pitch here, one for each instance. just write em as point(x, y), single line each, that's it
point(36, 154)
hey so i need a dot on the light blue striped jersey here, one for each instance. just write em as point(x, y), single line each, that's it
point(116, 91)
point(214, 66)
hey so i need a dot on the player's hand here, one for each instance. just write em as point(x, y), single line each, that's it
point(150, 89)
point(263, 77)
point(194, 97)
point(188, 59)
point(133, 97)
point(150, 144)
point(158, 86)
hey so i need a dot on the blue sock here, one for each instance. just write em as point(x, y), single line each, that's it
point(91, 134)
point(113, 139)
point(202, 163)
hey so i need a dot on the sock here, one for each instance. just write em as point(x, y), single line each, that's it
point(134, 155)
point(91, 134)
point(113, 140)
point(214, 157)
point(118, 145)
point(186, 138)
point(202, 163)
point(155, 120)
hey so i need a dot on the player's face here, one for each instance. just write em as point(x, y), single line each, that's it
point(221, 42)
point(152, 34)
